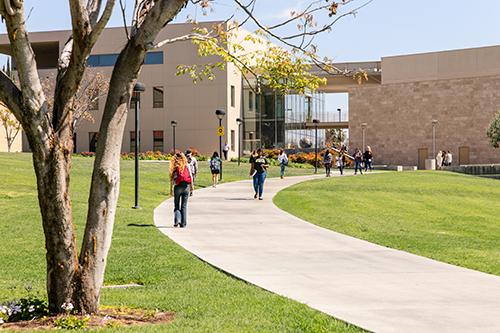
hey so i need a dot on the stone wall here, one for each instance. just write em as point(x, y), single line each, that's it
point(399, 119)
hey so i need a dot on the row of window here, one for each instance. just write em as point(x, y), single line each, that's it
point(157, 100)
point(251, 98)
point(157, 141)
point(104, 60)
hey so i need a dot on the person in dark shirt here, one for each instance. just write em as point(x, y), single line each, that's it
point(368, 157)
point(358, 160)
point(260, 165)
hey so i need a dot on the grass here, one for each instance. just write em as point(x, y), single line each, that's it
point(450, 217)
point(203, 298)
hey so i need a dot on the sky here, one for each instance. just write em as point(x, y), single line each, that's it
point(382, 28)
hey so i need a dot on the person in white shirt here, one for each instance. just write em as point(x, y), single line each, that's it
point(449, 158)
point(283, 159)
point(439, 160)
point(192, 163)
point(225, 150)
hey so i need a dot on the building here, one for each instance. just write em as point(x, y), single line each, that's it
point(457, 92)
point(453, 94)
point(8, 131)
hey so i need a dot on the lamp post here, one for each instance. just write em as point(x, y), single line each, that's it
point(239, 121)
point(434, 123)
point(136, 97)
point(316, 122)
point(174, 125)
point(340, 114)
point(363, 128)
point(220, 115)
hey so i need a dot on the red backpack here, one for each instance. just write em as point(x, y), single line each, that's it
point(183, 176)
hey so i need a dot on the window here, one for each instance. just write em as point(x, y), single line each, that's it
point(93, 136)
point(154, 58)
point(232, 96)
point(250, 100)
point(233, 139)
point(158, 141)
point(132, 141)
point(157, 97)
point(102, 60)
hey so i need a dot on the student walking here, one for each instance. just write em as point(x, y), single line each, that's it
point(283, 160)
point(182, 182)
point(339, 161)
point(368, 157)
point(439, 160)
point(449, 158)
point(225, 150)
point(215, 163)
point(327, 162)
point(358, 160)
point(260, 166)
point(193, 164)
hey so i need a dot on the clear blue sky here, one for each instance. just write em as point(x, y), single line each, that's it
point(383, 28)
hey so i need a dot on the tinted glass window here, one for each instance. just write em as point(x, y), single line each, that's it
point(154, 58)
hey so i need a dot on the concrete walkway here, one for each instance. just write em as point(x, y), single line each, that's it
point(374, 287)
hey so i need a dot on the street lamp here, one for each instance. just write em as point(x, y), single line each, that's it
point(174, 125)
point(340, 114)
point(363, 127)
point(239, 121)
point(316, 122)
point(136, 97)
point(220, 115)
point(434, 123)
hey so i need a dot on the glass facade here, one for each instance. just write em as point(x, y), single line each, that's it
point(273, 120)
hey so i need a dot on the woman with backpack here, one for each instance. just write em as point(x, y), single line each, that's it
point(215, 163)
point(283, 160)
point(327, 162)
point(182, 182)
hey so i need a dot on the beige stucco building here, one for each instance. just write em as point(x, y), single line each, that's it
point(167, 97)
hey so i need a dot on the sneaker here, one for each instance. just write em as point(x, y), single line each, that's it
point(176, 225)
point(255, 196)
point(260, 198)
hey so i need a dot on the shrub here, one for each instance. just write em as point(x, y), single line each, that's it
point(24, 309)
point(70, 322)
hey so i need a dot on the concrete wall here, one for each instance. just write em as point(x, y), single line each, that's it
point(455, 64)
point(399, 118)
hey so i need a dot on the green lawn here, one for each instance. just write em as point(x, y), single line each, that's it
point(203, 299)
point(450, 217)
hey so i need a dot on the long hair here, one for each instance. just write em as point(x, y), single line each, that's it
point(178, 162)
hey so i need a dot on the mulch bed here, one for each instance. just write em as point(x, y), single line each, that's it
point(107, 317)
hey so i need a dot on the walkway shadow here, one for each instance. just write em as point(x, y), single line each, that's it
point(140, 225)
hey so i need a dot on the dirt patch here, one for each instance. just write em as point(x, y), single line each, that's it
point(107, 317)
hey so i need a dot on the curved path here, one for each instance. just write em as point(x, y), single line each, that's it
point(374, 287)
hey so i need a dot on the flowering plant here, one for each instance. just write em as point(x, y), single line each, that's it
point(23, 309)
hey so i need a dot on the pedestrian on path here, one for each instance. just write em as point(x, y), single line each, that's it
point(225, 150)
point(368, 157)
point(182, 182)
point(260, 168)
point(358, 160)
point(327, 162)
point(339, 161)
point(439, 160)
point(193, 164)
point(283, 160)
point(215, 163)
point(449, 158)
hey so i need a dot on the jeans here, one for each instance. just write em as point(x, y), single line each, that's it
point(181, 196)
point(328, 168)
point(282, 168)
point(258, 183)
point(368, 165)
point(357, 166)
point(341, 169)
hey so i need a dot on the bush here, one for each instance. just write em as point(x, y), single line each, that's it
point(71, 322)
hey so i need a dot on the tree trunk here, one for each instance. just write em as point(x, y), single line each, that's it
point(52, 169)
point(105, 185)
